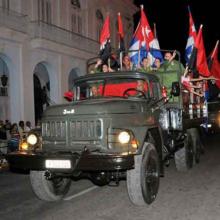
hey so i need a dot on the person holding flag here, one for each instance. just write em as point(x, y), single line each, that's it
point(105, 46)
point(144, 43)
point(191, 39)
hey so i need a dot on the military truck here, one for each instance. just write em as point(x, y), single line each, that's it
point(118, 126)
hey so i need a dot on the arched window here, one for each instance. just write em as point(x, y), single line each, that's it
point(76, 17)
point(44, 11)
point(5, 4)
point(99, 22)
point(4, 74)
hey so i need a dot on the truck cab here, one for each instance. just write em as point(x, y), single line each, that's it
point(108, 132)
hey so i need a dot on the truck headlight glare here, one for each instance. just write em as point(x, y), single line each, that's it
point(124, 137)
point(32, 139)
point(24, 146)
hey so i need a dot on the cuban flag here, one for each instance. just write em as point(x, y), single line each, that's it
point(144, 43)
point(191, 39)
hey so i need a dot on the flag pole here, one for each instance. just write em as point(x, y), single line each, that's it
point(216, 46)
point(119, 45)
point(120, 59)
point(155, 30)
point(139, 52)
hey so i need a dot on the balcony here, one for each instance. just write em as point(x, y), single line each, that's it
point(13, 20)
point(39, 29)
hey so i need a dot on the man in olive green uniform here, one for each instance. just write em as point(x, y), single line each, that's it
point(145, 65)
point(170, 64)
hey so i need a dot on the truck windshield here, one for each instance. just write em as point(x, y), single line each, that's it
point(120, 87)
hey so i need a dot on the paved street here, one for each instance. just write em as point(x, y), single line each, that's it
point(182, 196)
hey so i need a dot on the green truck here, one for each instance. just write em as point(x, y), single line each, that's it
point(118, 126)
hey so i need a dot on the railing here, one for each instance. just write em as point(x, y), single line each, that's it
point(39, 29)
point(3, 91)
point(13, 20)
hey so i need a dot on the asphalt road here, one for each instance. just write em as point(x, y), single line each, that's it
point(182, 196)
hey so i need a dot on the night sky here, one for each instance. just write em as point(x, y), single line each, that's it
point(172, 21)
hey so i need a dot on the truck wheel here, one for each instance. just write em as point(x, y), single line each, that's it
point(197, 145)
point(49, 190)
point(143, 180)
point(184, 156)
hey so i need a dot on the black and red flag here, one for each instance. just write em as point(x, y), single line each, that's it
point(121, 44)
point(214, 65)
point(198, 60)
point(105, 47)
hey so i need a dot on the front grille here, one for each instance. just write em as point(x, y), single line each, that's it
point(77, 129)
point(54, 129)
point(85, 129)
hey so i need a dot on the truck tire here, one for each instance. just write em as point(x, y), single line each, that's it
point(184, 156)
point(49, 190)
point(143, 180)
point(197, 144)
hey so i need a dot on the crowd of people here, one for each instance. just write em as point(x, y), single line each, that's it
point(13, 132)
point(169, 63)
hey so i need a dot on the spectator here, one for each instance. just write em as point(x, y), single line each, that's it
point(21, 128)
point(38, 124)
point(13, 143)
point(7, 128)
point(27, 126)
point(2, 131)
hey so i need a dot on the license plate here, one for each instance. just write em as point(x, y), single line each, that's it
point(58, 164)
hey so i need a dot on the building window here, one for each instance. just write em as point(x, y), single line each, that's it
point(5, 4)
point(3, 78)
point(99, 23)
point(76, 17)
point(44, 11)
point(75, 3)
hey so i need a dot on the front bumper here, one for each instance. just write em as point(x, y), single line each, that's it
point(83, 162)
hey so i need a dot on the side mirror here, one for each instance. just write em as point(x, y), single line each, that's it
point(175, 90)
point(68, 96)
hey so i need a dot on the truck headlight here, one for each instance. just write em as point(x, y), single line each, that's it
point(32, 139)
point(24, 146)
point(124, 137)
point(122, 140)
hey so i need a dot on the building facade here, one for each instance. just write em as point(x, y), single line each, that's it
point(44, 46)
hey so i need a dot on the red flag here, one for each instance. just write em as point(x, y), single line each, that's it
point(105, 48)
point(201, 61)
point(215, 65)
point(105, 32)
point(121, 45)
